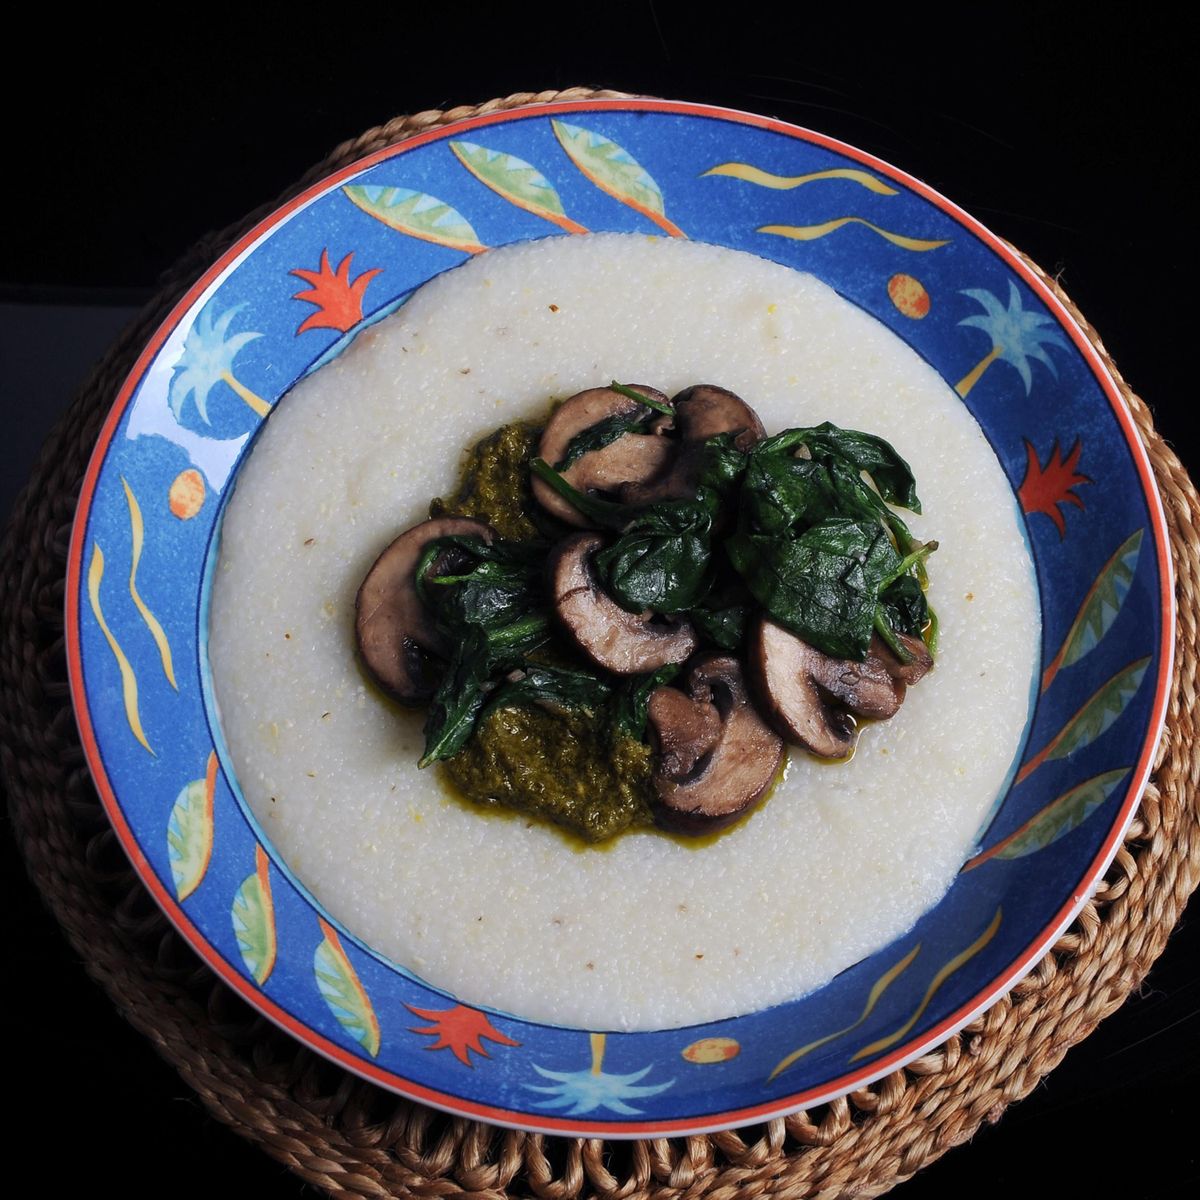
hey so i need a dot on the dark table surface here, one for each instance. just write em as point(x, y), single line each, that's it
point(1071, 141)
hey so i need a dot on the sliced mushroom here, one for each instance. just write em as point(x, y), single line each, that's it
point(920, 660)
point(396, 633)
point(622, 642)
point(812, 698)
point(704, 782)
point(631, 457)
point(705, 410)
point(701, 412)
point(685, 730)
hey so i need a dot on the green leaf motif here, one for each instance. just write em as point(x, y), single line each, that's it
point(517, 181)
point(417, 214)
point(1059, 817)
point(341, 990)
point(1100, 606)
point(190, 835)
point(253, 916)
point(1096, 716)
point(614, 171)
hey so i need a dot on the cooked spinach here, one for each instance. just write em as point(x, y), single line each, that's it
point(605, 432)
point(800, 527)
point(608, 514)
point(662, 561)
point(892, 476)
point(724, 627)
point(820, 549)
point(557, 689)
point(458, 699)
point(816, 545)
point(823, 585)
point(489, 603)
point(633, 394)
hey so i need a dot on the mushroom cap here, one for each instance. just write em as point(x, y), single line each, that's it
point(705, 410)
point(812, 698)
point(704, 783)
point(622, 642)
point(701, 412)
point(396, 633)
point(630, 458)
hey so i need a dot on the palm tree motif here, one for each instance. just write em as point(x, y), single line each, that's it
point(579, 1092)
point(207, 360)
point(1017, 336)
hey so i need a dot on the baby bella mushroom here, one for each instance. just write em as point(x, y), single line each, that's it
point(701, 412)
point(629, 457)
point(812, 698)
point(622, 642)
point(397, 636)
point(717, 757)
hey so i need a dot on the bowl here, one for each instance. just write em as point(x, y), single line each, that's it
point(277, 306)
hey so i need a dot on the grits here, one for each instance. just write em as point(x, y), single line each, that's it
point(648, 933)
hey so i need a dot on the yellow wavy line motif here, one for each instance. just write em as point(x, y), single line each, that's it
point(881, 985)
point(129, 688)
point(810, 233)
point(936, 982)
point(138, 530)
point(749, 174)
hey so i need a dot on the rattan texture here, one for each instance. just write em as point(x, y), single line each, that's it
point(354, 1139)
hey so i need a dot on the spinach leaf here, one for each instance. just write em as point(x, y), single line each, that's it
point(903, 605)
point(781, 493)
point(489, 603)
point(823, 585)
point(726, 627)
point(480, 654)
point(458, 699)
point(479, 584)
point(720, 469)
point(511, 642)
point(891, 475)
point(663, 560)
point(604, 433)
point(608, 514)
point(649, 401)
point(559, 689)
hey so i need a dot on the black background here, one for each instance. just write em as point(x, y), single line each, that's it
point(1070, 136)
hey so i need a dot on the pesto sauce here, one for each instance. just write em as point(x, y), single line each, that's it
point(569, 769)
point(494, 486)
point(565, 769)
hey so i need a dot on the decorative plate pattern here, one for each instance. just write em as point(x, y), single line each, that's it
point(296, 291)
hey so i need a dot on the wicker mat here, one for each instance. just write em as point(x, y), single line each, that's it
point(354, 1139)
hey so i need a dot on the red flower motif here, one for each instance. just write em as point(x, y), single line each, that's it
point(459, 1029)
point(1045, 488)
point(339, 299)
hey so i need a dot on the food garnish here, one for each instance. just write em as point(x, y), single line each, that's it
point(682, 593)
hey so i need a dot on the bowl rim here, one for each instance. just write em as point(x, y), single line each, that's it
point(543, 1123)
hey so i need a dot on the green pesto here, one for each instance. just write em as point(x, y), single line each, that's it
point(568, 769)
point(494, 486)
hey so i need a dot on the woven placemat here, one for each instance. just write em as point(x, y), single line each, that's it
point(355, 1139)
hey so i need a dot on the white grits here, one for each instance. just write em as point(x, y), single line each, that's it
point(647, 934)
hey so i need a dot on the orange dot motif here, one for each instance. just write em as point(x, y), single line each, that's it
point(909, 296)
point(186, 497)
point(712, 1050)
